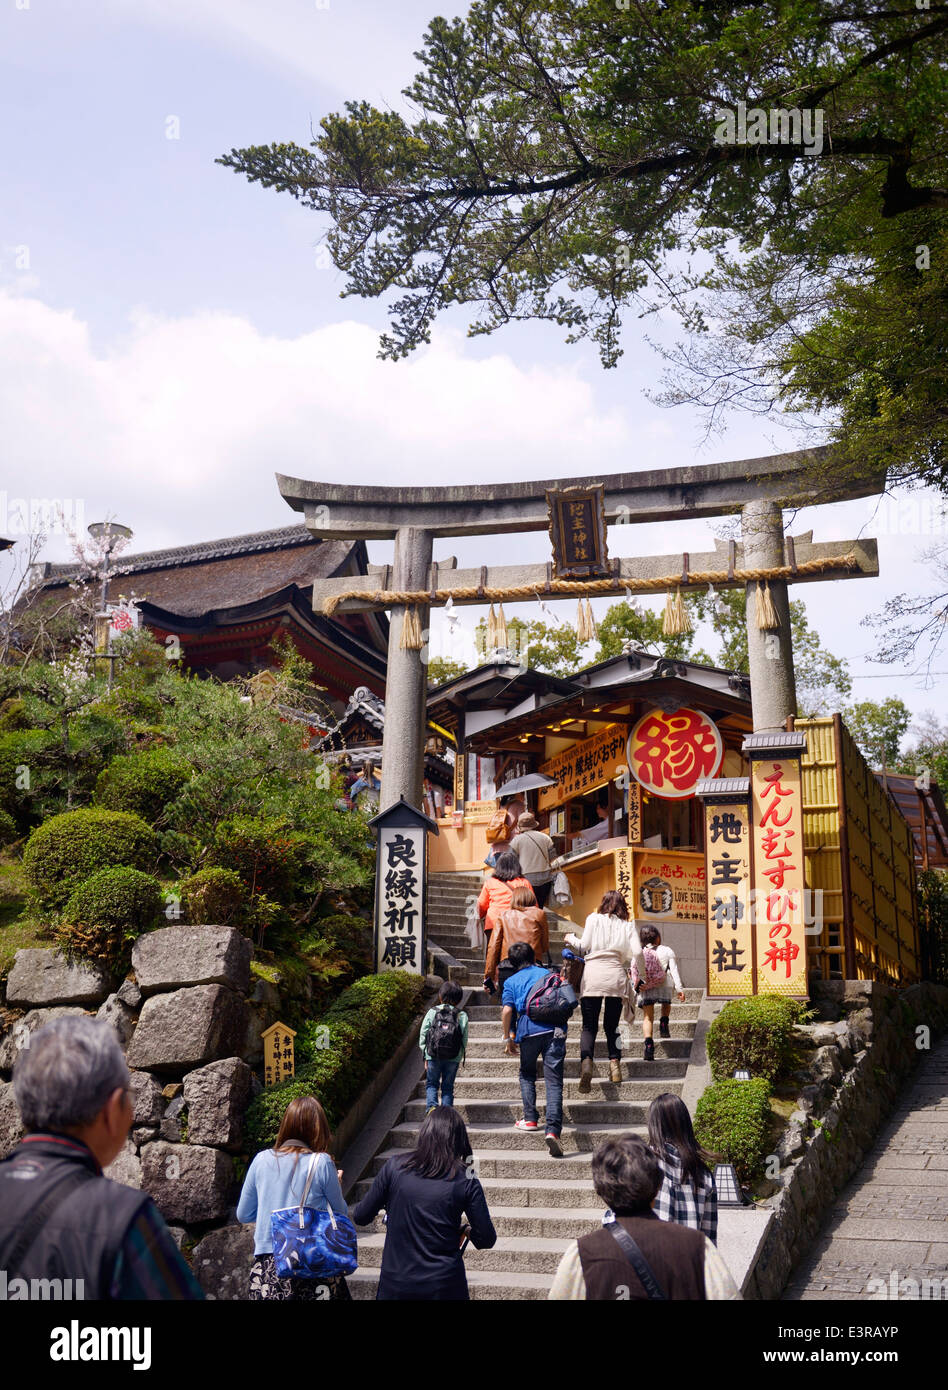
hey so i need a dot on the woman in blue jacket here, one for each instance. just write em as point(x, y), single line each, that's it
point(276, 1179)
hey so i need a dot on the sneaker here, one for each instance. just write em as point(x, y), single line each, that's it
point(429, 1110)
point(649, 1050)
point(663, 1029)
point(526, 1124)
point(554, 1145)
point(585, 1075)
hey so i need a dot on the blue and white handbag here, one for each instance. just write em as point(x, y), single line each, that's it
point(312, 1244)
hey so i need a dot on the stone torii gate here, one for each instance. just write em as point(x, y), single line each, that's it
point(756, 488)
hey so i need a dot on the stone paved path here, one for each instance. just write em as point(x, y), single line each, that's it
point(891, 1221)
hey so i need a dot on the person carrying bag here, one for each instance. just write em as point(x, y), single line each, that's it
point(312, 1244)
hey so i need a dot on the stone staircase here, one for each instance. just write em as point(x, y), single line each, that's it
point(537, 1203)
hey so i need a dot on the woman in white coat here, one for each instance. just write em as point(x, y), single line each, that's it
point(609, 943)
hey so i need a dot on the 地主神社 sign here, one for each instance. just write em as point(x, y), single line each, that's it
point(669, 754)
point(578, 532)
point(730, 905)
point(400, 871)
point(586, 765)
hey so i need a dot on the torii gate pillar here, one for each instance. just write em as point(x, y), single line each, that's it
point(770, 654)
point(406, 684)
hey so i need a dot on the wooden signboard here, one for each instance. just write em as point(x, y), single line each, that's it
point(778, 875)
point(661, 885)
point(278, 1059)
point(730, 912)
point(578, 532)
point(587, 764)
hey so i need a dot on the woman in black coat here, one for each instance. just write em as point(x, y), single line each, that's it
point(433, 1200)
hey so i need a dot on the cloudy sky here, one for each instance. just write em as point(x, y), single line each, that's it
point(170, 336)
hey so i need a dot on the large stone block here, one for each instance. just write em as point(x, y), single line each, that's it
point(11, 1127)
point(221, 1262)
point(176, 956)
point(147, 1099)
point(120, 1016)
point(19, 1033)
point(216, 1097)
point(187, 1028)
point(46, 977)
point(825, 1065)
point(126, 1167)
point(187, 1181)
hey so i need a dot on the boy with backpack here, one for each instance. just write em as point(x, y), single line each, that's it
point(659, 962)
point(542, 1002)
point(443, 1042)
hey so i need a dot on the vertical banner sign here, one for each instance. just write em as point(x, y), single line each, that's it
point(459, 769)
point(400, 868)
point(625, 879)
point(635, 813)
point(727, 839)
point(776, 796)
point(278, 1059)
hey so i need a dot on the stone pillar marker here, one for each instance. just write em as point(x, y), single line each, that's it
point(769, 654)
point(406, 685)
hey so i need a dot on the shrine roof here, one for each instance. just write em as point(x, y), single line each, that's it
point(195, 579)
point(917, 805)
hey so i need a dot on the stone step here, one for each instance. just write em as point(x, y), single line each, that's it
point(487, 1060)
point(555, 1191)
point(581, 1137)
point(489, 1285)
point(524, 1165)
point(510, 1255)
point(481, 1008)
point(546, 1222)
point(588, 1112)
point(503, 1088)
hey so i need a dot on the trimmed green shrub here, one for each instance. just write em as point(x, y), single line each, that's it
point(67, 849)
point(143, 783)
point(13, 716)
point(756, 1033)
point(8, 829)
point(266, 853)
point(340, 1052)
point(34, 750)
point(215, 896)
point(732, 1120)
point(106, 913)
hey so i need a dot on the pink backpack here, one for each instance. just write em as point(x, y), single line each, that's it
point(654, 970)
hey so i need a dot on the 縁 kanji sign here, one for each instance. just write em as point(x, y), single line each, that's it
point(778, 875)
point(669, 754)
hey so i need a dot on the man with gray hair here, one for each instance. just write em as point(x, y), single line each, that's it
point(60, 1218)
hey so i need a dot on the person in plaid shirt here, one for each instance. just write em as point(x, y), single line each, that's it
point(687, 1195)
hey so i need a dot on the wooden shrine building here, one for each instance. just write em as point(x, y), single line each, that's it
point(226, 600)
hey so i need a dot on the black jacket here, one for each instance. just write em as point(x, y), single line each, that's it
point(82, 1237)
point(422, 1258)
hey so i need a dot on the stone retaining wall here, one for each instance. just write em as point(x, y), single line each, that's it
point(869, 1040)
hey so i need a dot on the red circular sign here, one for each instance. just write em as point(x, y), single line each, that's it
point(669, 754)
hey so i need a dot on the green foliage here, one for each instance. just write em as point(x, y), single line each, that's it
point(106, 913)
point(265, 853)
point(441, 670)
point(756, 1033)
point(568, 163)
point(341, 1052)
point(13, 716)
point(215, 896)
point(144, 783)
point(625, 623)
point(732, 1120)
point(27, 769)
point(929, 751)
point(8, 829)
point(878, 727)
point(933, 920)
point(67, 849)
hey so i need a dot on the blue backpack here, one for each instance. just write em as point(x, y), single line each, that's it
point(312, 1244)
